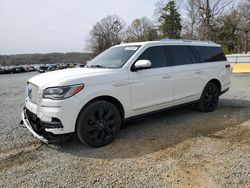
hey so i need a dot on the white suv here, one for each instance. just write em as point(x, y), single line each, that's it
point(125, 81)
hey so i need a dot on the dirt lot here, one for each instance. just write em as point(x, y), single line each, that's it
point(175, 148)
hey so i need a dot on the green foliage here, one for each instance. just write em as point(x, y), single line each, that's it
point(225, 32)
point(170, 21)
point(226, 50)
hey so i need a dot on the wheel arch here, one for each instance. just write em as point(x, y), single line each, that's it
point(216, 82)
point(107, 98)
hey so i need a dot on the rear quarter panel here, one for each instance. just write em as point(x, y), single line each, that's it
point(216, 70)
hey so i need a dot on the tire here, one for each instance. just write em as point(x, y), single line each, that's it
point(209, 98)
point(98, 124)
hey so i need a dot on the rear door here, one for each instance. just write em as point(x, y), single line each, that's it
point(187, 71)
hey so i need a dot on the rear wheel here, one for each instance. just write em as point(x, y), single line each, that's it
point(98, 124)
point(209, 98)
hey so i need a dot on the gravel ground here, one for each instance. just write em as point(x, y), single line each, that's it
point(175, 148)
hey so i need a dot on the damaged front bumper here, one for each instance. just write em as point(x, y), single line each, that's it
point(27, 124)
point(40, 129)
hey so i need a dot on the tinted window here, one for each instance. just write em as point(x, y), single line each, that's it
point(210, 54)
point(155, 55)
point(180, 55)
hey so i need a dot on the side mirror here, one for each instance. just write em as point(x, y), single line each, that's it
point(141, 64)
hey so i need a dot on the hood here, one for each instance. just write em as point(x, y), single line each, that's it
point(57, 78)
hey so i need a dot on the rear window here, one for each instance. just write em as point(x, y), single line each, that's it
point(180, 55)
point(210, 54)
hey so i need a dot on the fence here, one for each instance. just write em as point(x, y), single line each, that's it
point(240, 63)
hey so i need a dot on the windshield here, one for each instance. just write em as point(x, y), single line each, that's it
point(114, 57)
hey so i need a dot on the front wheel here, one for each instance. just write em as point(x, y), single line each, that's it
point(98, 124)
point(209, 98)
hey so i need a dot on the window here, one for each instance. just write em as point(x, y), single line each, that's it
point(114, 57)
point(180, 55)
point(210, 54)
point(155, 55)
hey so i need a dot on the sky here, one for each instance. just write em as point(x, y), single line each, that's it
point(46, 26)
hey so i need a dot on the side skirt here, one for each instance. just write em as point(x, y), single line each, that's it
point(162, 110)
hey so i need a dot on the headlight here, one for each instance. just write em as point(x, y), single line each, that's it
point(63, 92)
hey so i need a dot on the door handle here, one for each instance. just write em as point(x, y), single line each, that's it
point(167, 76)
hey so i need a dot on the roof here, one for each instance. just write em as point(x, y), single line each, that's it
point(174, 42)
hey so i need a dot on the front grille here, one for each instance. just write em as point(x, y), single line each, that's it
point(33, 93)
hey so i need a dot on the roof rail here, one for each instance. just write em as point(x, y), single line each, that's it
point(185, 40)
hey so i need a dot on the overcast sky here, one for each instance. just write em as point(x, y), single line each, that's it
point(41, 26)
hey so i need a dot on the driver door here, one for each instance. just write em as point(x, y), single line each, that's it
point(153, 88)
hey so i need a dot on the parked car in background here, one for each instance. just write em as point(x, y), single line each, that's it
point(42, 69)
point(2, 70)
point(26, 67)
point(32, 68)
point(52, 67)
point(62, 66)
point(80, 66)
point(8, 69)
point(18, 69)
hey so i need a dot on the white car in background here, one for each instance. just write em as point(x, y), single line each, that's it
point(125, 81)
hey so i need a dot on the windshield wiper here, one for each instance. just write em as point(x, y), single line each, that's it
point(98, 66)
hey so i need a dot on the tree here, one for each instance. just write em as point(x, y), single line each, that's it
point(209, 11)
point(105, 33)
point(233, 28)
point(191, 20)
point(141, 30)
point(244, 26)
point(227, 33)
point(170, 21)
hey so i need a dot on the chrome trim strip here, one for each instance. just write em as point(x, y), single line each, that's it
point(44, 106)
point(153, 105)
point(187, 97)
point(125, 83)
point(121, 84)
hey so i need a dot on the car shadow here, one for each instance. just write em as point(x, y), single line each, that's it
point(159, 131)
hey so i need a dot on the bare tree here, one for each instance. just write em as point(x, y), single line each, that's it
point(209, 11)
point(141, 30)
point(244, 26)
point(105, 33)
point(192, 12)
point(227, 31)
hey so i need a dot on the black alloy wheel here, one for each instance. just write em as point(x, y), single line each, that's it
point(210, 98)
point(98, 124)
